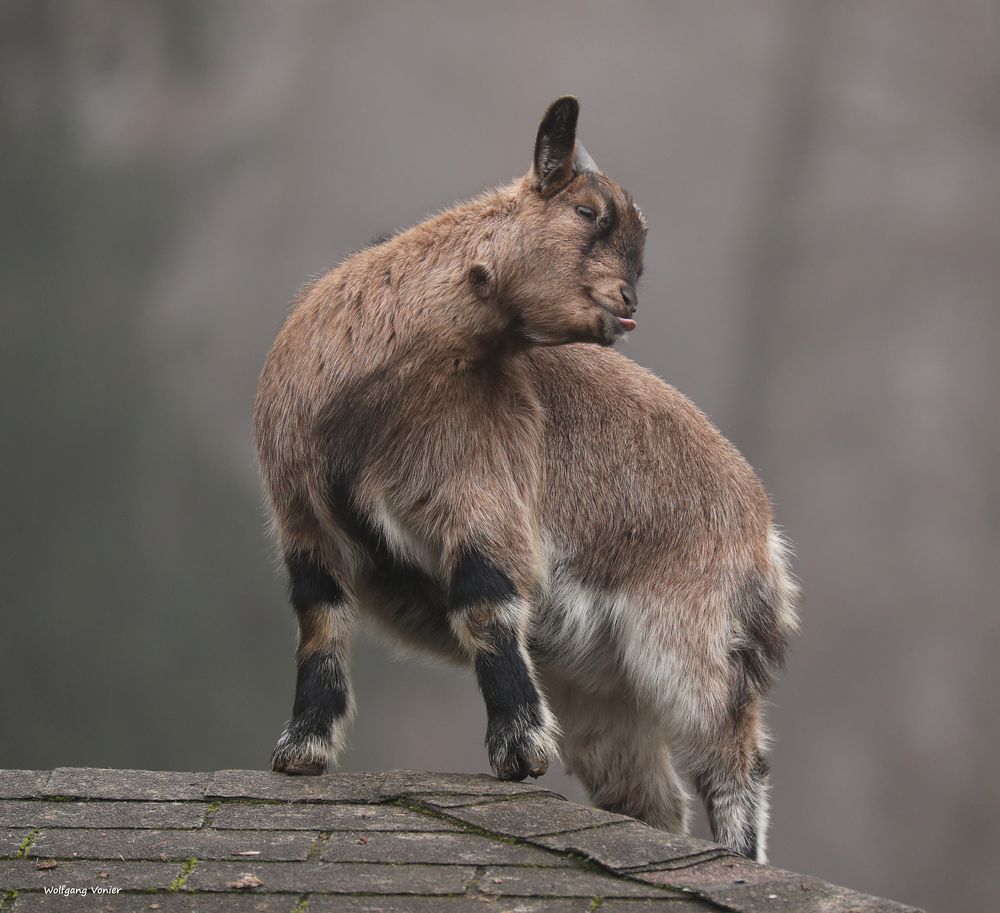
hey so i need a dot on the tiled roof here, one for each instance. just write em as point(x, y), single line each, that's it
point(398, 842)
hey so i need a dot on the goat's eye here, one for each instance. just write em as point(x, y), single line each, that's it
point(586, 212)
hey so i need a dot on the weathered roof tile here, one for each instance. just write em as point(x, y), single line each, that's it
point(28, 813)
point(433, 847)
point(22, 784)
point(335, 878)
point(60, 843)
point(629, 845)
point(103, 783)
point(327, 818)
point(532, 817)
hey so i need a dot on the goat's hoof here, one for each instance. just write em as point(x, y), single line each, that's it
point(517, 752)
point(520, 767)
point(298, 768)
point(306, 756)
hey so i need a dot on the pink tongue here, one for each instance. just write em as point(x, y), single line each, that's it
point(626, 323)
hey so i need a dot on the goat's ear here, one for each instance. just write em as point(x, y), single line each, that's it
point(554, 146)
point(483, 281)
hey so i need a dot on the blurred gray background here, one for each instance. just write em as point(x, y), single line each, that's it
point(822, 183)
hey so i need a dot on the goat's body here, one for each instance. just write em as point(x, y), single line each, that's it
point(443, 457)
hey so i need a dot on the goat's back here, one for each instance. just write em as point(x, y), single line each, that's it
point(638, 480)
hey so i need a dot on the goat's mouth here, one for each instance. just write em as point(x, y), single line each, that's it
point(621, 317)
point(622, 321)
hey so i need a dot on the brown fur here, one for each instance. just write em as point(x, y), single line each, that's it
point(439, 393)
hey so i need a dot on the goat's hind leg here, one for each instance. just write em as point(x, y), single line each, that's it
point(731, 776)
point(323, 699)
point(727, 755)
point(623, 760)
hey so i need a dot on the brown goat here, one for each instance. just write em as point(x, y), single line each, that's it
point(445, 453)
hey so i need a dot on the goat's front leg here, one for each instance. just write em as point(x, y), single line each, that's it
point(323, 700)
point(489, 616)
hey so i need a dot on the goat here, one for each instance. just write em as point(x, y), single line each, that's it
point(451, 447)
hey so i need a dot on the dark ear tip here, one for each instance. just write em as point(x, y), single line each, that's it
point(565, 104)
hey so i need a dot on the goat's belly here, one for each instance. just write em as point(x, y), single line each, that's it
point(396, 581)
point(409, 608)
point(573, 636)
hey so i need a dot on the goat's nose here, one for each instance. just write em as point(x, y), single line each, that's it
point(628, 296)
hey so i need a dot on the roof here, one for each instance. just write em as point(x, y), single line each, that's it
point(396, 842)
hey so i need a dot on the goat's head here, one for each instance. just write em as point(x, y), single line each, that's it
point(571, 273)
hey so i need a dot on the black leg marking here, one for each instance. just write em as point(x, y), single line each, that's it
point(320, 694)
point(507, 688)
point(310, 585)
point(477, 581)
point(513, 709)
